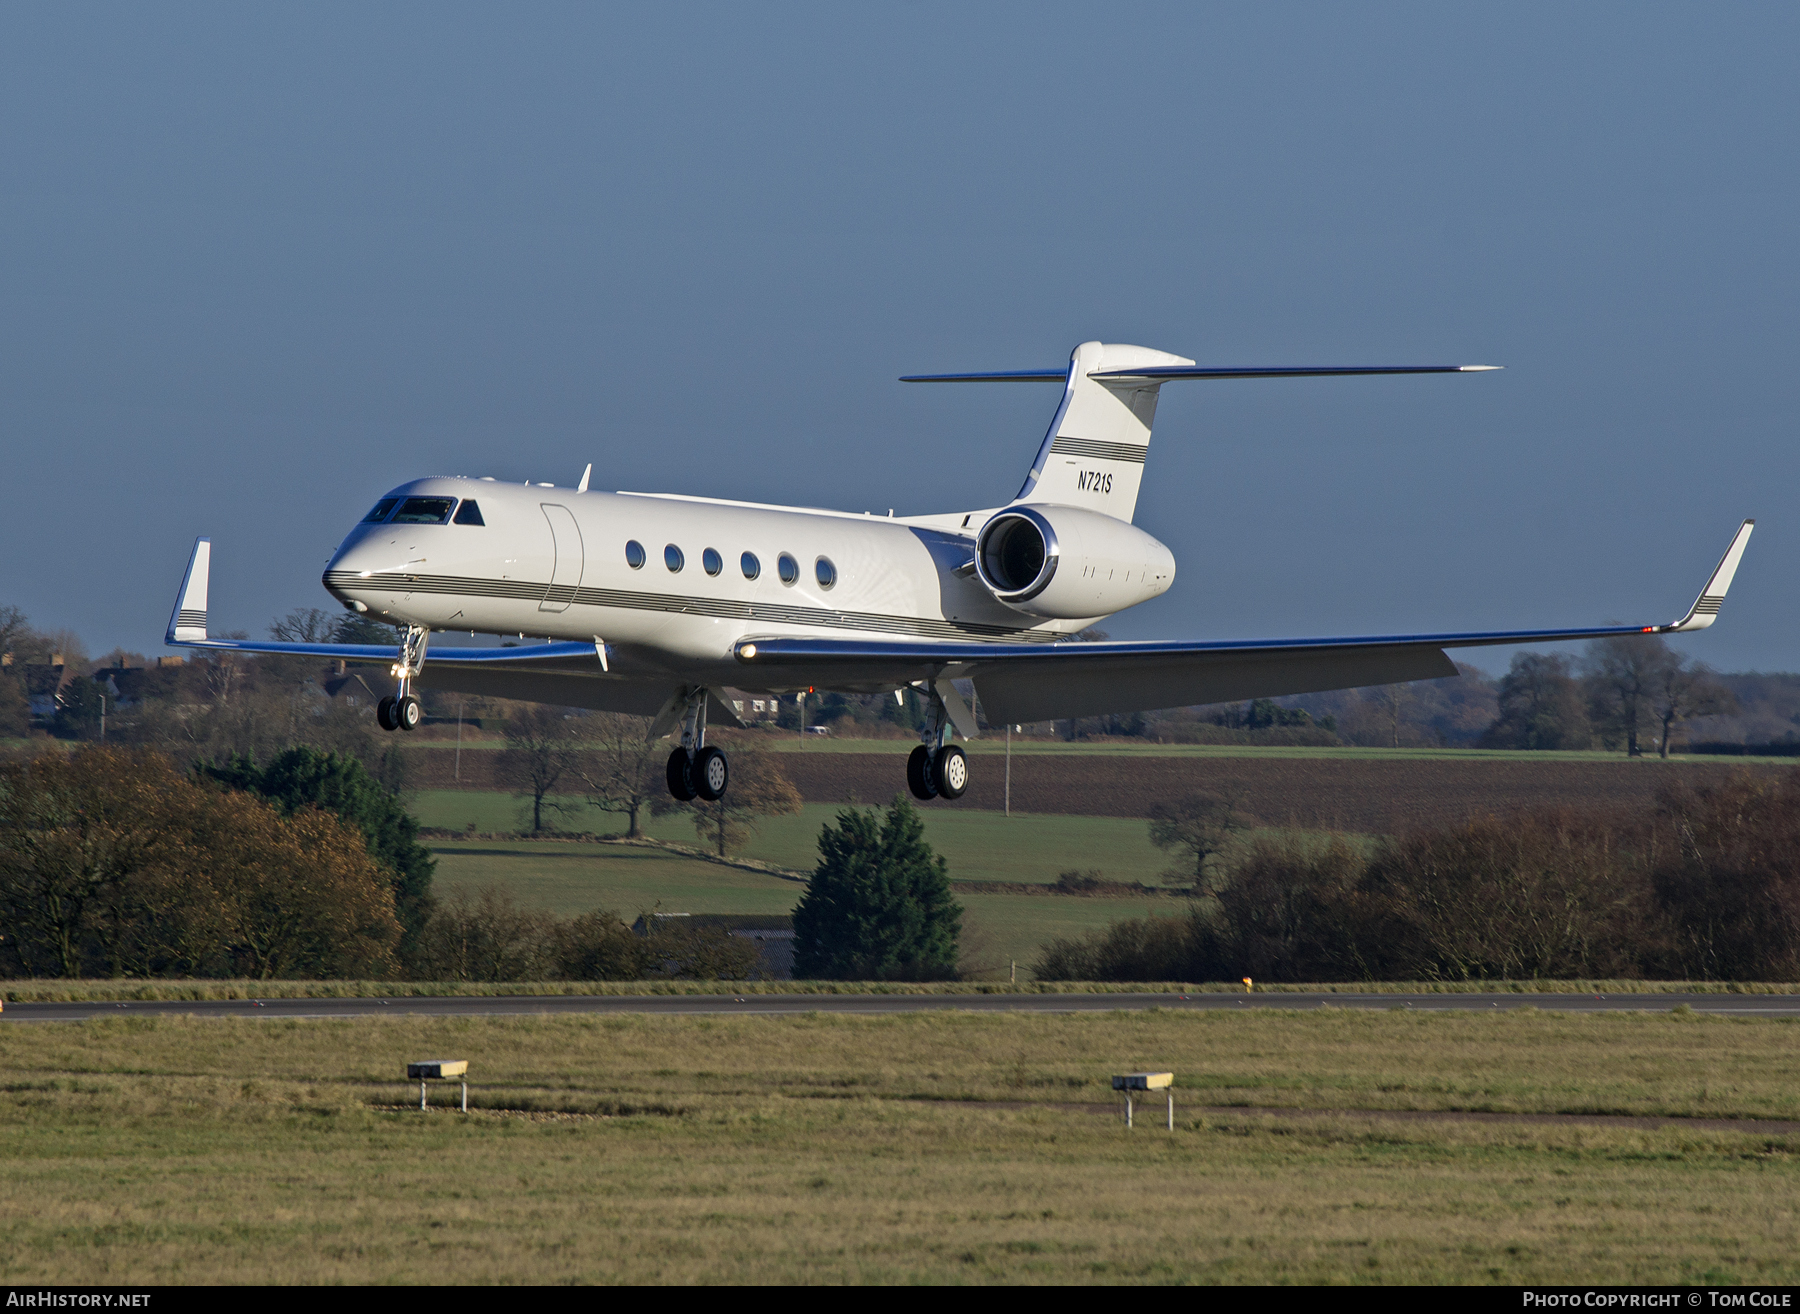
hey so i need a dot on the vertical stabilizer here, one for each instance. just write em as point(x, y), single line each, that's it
point(1094, 454)
point(188, 624)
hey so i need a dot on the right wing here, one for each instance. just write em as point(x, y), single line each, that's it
point(1039, 682)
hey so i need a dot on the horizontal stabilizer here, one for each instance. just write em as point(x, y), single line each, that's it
point(1166, 373)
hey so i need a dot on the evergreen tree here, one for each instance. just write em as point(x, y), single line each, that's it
point(305, 777)
point(878, 907)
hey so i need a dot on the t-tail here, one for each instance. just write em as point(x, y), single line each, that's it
point(1093, 456)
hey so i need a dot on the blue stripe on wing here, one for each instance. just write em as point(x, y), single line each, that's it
point(376, 652)
point(778, 649)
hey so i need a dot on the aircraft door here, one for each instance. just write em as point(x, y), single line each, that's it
point(565, 574)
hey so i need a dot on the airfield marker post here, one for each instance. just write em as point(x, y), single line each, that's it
point(1146, 1081)
point(440, 1070)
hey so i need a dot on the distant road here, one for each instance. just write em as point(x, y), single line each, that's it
point(765, 1005)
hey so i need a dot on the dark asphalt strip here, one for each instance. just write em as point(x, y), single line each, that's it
point(561, 1005)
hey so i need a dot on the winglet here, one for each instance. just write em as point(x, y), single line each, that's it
point(188, 623)
point(1706, 607)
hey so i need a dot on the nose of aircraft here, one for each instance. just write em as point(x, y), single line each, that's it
point(359, 560)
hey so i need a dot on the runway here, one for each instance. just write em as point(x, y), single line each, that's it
point(1765, 1006)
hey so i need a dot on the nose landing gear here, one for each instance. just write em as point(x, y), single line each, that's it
point(697, 770)
point(402, 711)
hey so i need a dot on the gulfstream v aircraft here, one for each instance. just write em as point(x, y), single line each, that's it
point(654, 603)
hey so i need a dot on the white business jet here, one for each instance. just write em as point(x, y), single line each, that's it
point(655, 603)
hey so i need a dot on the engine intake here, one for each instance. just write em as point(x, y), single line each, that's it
point(1068, 563)
point(1018, 555)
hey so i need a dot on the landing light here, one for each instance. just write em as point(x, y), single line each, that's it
point(747, 651)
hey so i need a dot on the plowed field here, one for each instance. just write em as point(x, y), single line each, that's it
point(1355, 793)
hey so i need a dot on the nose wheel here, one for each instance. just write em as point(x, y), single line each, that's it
point(403, 713)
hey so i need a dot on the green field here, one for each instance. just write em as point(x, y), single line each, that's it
point(980, 846)
point(939, 1148)
point(567, 877)
point(570, 878)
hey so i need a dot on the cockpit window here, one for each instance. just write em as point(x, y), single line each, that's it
point(381, 510)
point(469, 514)
point(424, 511)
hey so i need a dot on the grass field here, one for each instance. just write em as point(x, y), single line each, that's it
point(569, 878)
point(935, 1148)
point(978, 845)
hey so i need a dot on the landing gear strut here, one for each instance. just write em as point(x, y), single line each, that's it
point(697, 770)
point(937, 768)
point(402, 711)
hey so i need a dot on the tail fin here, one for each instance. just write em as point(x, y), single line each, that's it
point(1093, 455)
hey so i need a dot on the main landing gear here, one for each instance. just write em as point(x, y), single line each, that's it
point(937, 768)
point(697, 770)
point(402, 710)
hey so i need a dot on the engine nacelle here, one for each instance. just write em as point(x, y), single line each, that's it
point(1065, 563)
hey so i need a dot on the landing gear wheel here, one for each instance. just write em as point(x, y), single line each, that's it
point(918, 773)
point(950, 771)
point(384, 714)
point(407, 713)
point(681, 784)
point(709, 774)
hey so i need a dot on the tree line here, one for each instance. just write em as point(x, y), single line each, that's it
point(1703, 885)
point(116, 862)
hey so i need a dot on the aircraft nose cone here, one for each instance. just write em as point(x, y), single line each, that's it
point(353, 567)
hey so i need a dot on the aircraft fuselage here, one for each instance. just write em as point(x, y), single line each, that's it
point(675, 582)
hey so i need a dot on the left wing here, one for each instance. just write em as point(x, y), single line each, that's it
point(1038, 682)
point(563, 674)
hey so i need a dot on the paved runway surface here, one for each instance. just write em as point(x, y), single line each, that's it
point(559, 1005)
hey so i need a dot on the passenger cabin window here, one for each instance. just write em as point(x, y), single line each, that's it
point(469, 514)
point(381, 510)
point(634, 555)
point(424, 511)
point(752, 567)
point(787, 568)
point(673, 559)
point(713, 562)
point(825, 572)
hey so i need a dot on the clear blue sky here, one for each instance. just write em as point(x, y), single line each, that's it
point(259, 263)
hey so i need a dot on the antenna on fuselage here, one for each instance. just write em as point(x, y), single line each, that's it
point(582, 486)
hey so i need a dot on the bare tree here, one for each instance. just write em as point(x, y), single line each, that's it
point(759, 788)
point(540, 750)
point(1686, 689)
point(1393, 696)
point(620, 772)
point(1195, 829)
point(13, 627)
point(1622, 674)
point(304, 625)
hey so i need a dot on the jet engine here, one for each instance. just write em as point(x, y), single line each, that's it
point(1065, 563)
